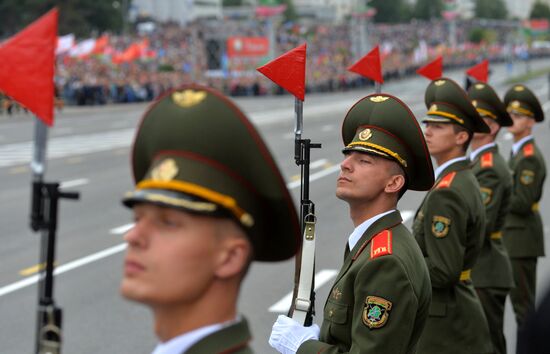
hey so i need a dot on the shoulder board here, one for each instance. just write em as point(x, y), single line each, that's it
point(528, 150)
point(487, 160)
point(381, 244)
point(446, 181)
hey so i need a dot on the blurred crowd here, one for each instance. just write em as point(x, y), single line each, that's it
point(196, 53)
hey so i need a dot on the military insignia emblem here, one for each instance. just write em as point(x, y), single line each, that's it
point(486, 195)
point(336, 294)
point(365, 135)
point(474, 102)
point(479, 86)
point(440, 226)
point(439, 82)
point(519, 88)
point(165, 171)
point(433, 108)
point(188, 98)
point(376, 311)
point(515, 104)
point(378, 99)
point(527, 176)
point(247, 220)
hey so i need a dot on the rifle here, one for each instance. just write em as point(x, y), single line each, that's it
point(44, 203)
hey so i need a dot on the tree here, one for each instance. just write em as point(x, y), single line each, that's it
point(391, 11)
point(495, 9)
point(428, 9)
point(540, 10)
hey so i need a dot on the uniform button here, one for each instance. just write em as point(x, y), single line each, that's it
point(330, 313)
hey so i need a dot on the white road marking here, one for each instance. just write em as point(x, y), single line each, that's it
point(321, 278)
point(318, 163)
point(64, 268)
point(74, 183)
point(315, 176)
point(121, 229)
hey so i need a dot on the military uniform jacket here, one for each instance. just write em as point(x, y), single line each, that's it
point(232, 339)
point(379, 301)
point(493, 268)
point(449, 227)
point(523, 231)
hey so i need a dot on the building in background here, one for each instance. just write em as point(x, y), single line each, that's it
point(181, 11)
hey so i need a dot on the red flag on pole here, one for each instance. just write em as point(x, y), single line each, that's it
point(289, 71)
point(480, 71)
point(27, 69)
point(432, 70)
point(369, 66)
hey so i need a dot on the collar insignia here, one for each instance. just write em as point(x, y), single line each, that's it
point(165, 171)
point(188, 98)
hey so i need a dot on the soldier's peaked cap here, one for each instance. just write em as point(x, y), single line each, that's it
point(519, 99)
point(488, 104)
point(196, 151)
point(447, 102)
point(383, 125)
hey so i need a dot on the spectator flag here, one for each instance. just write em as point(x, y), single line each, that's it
point(480, 71)
point(27, 69)
point(432, 70)
point(288, 71)
point(64, 44)
point(369, 66)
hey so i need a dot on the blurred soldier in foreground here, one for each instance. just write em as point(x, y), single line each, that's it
point(523, 231)
point(492, 273)
point(449, 225)
point(208, 200)
point(379, 301)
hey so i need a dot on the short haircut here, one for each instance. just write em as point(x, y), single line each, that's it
point(457, 129)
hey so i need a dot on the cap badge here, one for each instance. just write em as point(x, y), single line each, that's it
point(515, 104)
point(165, 171)
point(519, 88)
point(474, 102)
point(188, 98)
point(365, 135)
point(433, 108)
point(439, 82)
point(379, 99)
point(479, 86)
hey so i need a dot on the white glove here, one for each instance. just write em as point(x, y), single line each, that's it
point(287, 335)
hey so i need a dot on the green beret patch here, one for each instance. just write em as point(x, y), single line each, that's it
point(527, 177)
point(486, 194)
point(440, 226)
point(376, 311)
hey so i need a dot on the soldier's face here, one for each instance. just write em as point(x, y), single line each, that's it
point(363, 177)
point(522, 124)
point(173, 257)
point(441, 138)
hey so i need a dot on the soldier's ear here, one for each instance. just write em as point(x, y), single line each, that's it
point(234, 254)
point(395, 183)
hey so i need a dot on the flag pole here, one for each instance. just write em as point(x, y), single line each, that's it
point(377, 87)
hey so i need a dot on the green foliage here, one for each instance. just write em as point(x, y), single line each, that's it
point(428, 9)
point(232, 2)
point(80, 17)
point(391, 11)
point(479, 34)
point(495, 9)
point(540, 10)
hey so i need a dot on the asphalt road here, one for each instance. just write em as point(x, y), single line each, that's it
point(89, 152)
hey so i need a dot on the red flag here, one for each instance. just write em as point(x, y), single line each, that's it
point(27, 69)
point(289, 71)
point(480, 71)
point(432, 70)
point(369, 66)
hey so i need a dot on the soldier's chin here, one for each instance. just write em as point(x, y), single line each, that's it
point(130, 291)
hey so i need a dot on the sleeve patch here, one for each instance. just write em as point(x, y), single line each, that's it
point(376, 311)
point(487, 160)
point(527, 177)
point(440, 226)
point(381, 244)
point(528, 150)
point(486, 195)
point(446, 181)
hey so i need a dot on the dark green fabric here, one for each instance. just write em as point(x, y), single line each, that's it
point(527, 100)
point(456, 322)
point(523, 230)
point(233, 339)
point(493, 300)
point(523, 295)
point(493, 268)
point(401, 278)
point(485, 98)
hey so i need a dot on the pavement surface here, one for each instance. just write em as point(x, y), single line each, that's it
point(88, 151)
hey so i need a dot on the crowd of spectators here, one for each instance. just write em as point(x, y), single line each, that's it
point(195, 53)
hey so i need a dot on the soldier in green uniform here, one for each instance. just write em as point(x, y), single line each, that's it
point(380, 299)
point(523, 231)
point(449, 225)
point(492, 273)
point(208, 200)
